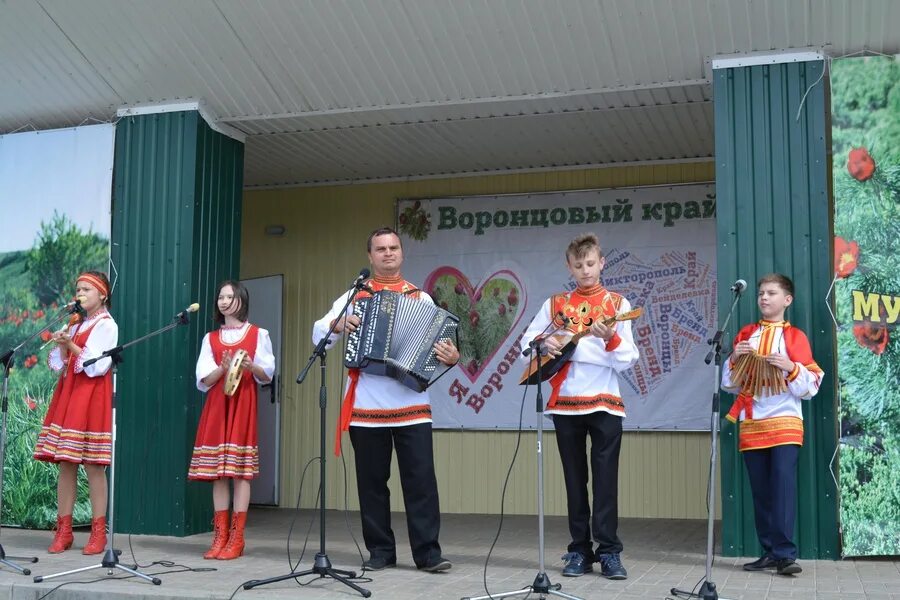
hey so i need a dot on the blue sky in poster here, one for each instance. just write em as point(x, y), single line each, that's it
point(64, 170)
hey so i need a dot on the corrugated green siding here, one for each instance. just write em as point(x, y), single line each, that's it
point(774, 214)
point(176, 232)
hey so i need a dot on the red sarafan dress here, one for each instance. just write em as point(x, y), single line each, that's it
point(226, 443)
point(78, 425)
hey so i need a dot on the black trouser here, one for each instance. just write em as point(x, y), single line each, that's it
point(773, 481)
point(606, 441)
point(372, 448)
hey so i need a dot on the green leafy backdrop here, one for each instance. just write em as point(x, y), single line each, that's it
point(33, 284)
point(866, 151)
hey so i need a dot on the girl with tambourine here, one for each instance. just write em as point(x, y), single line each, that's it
point(77, 428)
point(233, 359)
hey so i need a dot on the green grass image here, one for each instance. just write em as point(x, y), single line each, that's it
point(33, 283)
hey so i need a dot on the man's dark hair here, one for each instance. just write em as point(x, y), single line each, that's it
point(381, 231)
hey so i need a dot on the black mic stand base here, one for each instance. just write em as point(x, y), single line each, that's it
point(322, 568)
point(8, 561)
point(541, 586)
point(707, 592)
point(110, 562)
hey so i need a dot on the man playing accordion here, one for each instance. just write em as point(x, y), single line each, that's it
point(381, 413)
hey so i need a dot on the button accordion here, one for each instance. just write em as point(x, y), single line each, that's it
point(396, 338)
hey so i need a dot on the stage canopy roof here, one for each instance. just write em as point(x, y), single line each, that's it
point(351, 90)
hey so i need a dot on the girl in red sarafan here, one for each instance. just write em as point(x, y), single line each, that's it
point(226, 445)
point(77, 428)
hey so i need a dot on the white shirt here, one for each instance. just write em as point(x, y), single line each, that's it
point(374, 392)
point(785, 404)
point(103, 335)
point(264, 357)
point(594, 369)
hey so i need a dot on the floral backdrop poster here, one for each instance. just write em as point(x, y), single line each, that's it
point(55, 189)
point(866, 146)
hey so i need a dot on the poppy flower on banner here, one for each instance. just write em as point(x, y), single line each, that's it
point(846, 257)
point(871, 336)
point(860, 164)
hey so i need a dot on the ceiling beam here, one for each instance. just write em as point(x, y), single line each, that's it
point(469, 102)
point(419, 123)
point(480, 173)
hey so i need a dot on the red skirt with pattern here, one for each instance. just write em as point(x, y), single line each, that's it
point(226, 444)
point(78, 425)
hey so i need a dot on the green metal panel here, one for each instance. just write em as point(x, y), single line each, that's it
point(176, 233)
point(774, 214)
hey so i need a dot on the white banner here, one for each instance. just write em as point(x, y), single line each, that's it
point(494, 260)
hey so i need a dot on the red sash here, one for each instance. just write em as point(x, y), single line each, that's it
point(371, 286)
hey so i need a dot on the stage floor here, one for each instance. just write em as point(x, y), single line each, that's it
point(659, 555)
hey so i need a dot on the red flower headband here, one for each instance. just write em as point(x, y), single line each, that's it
point(94, 281)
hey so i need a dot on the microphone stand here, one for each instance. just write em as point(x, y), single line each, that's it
point(322, 564)
point(708, 588)
point(110, 560)
point(541, 584)
point(6, 361)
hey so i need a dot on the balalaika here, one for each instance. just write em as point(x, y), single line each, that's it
point(396, 338)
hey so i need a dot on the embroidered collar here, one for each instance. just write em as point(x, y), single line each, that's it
point(97, 315)
point(388, 279)
point(591, 291)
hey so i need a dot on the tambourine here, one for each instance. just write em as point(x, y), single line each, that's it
point(235, 372)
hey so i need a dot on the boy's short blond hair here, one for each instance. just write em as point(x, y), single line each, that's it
point(782, 281)
point(581, 245)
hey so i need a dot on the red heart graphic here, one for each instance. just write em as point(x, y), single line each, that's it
point(488, 314)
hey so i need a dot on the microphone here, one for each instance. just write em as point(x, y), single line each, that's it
point(739, 286)
point(75, 307)
point(363, 275)
point(190, 309)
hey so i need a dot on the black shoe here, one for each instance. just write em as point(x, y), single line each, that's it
point(611, 566)
point(576, 565)
point(788, 566)
point(761, 564)
point(437, 565)
point(377, 563)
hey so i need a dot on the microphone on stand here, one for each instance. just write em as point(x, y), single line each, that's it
point(74, 307)
point(363, 275)
point(737, 287)
point(183, 315)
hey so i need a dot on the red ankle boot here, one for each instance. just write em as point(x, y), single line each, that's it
point(63, 539)
point(220, 534)
point(97, 542)
point(235, 546)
